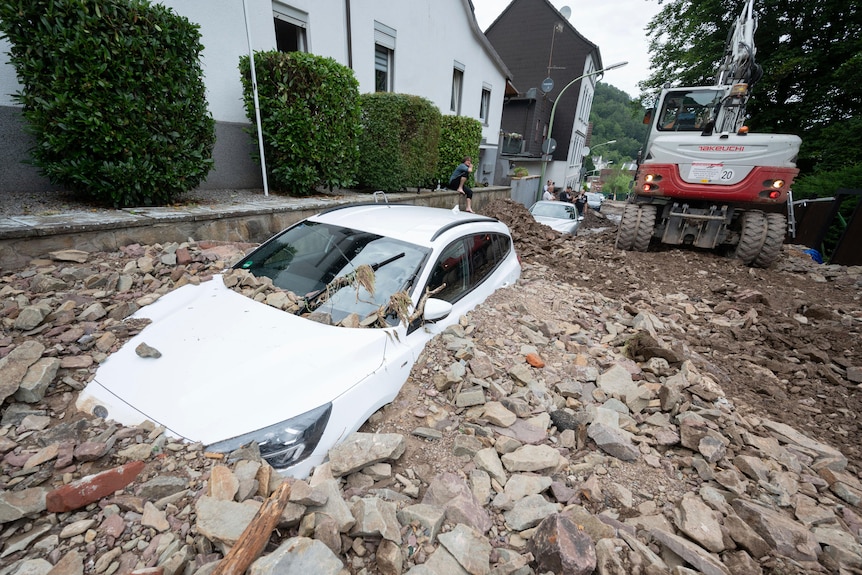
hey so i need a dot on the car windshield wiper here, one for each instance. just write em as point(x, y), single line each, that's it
point(313, 300)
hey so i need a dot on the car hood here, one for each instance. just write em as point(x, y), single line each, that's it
point(559, 224)
point(229, 365)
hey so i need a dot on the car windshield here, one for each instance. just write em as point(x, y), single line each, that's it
point(307, 257)
point(561, 210)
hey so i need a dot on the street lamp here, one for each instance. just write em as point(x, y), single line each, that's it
point(554, 111)
point(589, 150)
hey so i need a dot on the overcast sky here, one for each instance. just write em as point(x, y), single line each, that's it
point(615, 26)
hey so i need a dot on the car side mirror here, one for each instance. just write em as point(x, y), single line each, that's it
point(436, 309)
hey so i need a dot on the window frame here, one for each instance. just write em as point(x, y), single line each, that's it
point(287, 20)
point(485, 105)
point(457, 87)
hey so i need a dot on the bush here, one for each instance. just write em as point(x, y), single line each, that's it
point(398, 145)
point(113, 94)
point(459, 136)
point(309, 108)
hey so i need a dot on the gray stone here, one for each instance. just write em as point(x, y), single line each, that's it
point(17, 504)
point(827, 456)
point(429, 517)
point(695, 519)
point(37, 379)
point(468, 445)
point(469, 547)
point(335, 505)
point(497, 414)
point(14, 366)
point(529, 512)
point(361, 449)
point(784, 535)
point(692, 553)
point(222, 522)
point(521, 485)
point(489, 460)
point(470, 397)
point(298, 556)
point(612, 439)
point(532, 458)
point(375, 517)
point(452, 493)
point(441, 562)
point(161, 486)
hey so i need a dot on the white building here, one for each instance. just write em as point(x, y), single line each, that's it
point(429, 48)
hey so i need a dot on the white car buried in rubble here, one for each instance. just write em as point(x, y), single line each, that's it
point(234, 370)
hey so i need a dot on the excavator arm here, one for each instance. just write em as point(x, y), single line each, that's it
point(738, 65)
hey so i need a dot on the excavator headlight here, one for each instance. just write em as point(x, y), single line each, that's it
point(778, 184)
point(739, 90)
point(652, 178)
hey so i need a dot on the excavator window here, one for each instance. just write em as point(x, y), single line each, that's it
point(687, 111)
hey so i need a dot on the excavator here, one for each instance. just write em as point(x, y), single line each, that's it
point(703, 179)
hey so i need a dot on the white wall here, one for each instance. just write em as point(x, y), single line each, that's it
point(430, 36)
point(8, 81)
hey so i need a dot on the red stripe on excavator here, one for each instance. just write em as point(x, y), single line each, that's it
point(748, 190)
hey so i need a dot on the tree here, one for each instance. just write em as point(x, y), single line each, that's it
point(113, 92)
point(810, 52)
point(615, 116)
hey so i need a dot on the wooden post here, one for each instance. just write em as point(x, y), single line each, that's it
point(253, 540)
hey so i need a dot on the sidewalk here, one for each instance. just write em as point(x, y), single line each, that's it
point(254, 220)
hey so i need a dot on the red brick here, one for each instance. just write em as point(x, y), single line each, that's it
point(92, 488)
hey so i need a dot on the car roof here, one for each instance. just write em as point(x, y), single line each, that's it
point(415, 224)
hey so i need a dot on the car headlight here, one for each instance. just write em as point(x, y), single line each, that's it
point(283, 444)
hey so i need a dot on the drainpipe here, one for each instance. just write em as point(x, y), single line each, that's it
point(349, 34)
point(256, 102)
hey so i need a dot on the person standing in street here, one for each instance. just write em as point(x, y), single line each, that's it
point(581, 203)
point(458, 181)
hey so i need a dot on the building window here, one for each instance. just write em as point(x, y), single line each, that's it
point(457, 87)
point(384, 57)
point(290, 28)
point(382, 69)
point(485, 105)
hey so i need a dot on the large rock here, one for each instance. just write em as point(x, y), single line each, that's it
point(362, 449)
point(787, 537)
point(559, 546)
point(298, 556)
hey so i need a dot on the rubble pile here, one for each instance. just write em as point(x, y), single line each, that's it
point(555, 429)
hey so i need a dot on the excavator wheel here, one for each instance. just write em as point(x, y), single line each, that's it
point(760, 238)
point(636, 227)
point(776, 230)
point(751, 236)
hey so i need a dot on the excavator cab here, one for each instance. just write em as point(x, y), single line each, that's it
point(688, 109)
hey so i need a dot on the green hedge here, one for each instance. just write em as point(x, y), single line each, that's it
point(459, 136)
point(398, 145)
point(113, 93)
point(309, 108)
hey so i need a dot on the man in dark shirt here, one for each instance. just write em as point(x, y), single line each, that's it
point(458, 181)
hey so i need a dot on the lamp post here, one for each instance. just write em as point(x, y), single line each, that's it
point(554, 111)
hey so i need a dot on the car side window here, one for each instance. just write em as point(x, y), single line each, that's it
point(486, 252)
point(453, 270)
point(466, 263)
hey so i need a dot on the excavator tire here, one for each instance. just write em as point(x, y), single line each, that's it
point(636, 227)
point(776, 230)
point(752, 236)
